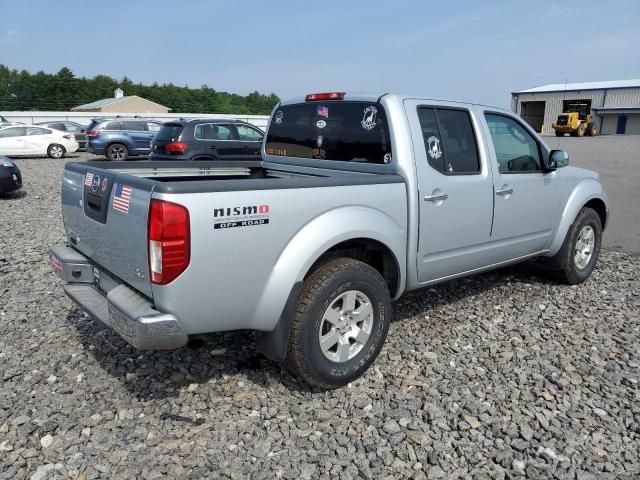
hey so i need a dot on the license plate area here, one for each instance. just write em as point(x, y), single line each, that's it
point(121, 324)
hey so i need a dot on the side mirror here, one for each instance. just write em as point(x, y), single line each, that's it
point(557, 159)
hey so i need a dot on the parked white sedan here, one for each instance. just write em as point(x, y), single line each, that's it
point(31, 140)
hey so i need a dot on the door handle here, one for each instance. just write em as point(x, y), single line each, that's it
point(212, 147)
point(436, 197)
point(505, 190)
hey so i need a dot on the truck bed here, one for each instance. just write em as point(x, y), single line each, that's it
point(244, 216)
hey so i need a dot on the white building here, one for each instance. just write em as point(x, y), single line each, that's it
point(615, 105)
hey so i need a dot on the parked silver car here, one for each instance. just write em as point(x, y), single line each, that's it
point(358, 199)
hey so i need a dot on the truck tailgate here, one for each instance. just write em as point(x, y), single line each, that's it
point(106, 214)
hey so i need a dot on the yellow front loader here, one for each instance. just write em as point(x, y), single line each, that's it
point(576, 122)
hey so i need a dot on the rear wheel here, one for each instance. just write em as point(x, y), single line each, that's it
point(559, 134)
point(591, 130)
point(56, 151)
point(581, 129)
point(340, 323)
point(581, 249)
point(117, 152)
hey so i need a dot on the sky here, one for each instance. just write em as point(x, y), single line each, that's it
point(477, 51)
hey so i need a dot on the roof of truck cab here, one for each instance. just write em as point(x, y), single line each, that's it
point(376, 97)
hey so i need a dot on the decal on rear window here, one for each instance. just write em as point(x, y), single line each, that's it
point(279, 116)
point(323, 111)
point(369, 118)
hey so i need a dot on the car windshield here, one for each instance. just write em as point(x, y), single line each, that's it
point(333, 130)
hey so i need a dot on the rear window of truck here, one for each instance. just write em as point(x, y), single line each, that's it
point(332, 130)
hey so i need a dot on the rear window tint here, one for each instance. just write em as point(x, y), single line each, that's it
point(112, 126)
point(335, 130)
point(169, 132)
point(134, 126)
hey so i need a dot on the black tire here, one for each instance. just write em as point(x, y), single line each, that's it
point(321, 290)
point(569, 272)
point(581, 130)
point(56, 150)
point(591, 130)
point(117, 152)
point(559, 134)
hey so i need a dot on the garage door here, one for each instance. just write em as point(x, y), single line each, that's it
point(612, 124)
point(633, 125)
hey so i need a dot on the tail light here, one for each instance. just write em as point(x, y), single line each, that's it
point(324, 96)
point(169, 241)
point(175, 147)
point(93, 133)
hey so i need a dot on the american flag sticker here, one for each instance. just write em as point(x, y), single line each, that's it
point(323, 111)
point(121, 198)
point(88, 178)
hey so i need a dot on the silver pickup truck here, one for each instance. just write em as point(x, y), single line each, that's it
point(357, 199)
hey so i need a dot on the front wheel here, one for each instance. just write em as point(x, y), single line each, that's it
point(340, 323)
point(56, 151)
point(581, 248)
point(117, 152)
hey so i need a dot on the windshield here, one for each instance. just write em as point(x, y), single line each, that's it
point(338, 130)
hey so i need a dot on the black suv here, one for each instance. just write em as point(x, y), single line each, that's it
point(207, 139)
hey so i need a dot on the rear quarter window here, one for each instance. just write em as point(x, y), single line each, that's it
point(134, 126)
point(334, 130)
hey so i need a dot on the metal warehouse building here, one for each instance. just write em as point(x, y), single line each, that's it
point(615, 105)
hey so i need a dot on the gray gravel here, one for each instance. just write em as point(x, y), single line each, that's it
point(502, 376)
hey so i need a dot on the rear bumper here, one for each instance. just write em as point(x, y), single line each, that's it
point(115, 304)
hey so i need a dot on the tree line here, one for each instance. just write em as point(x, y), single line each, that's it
point(21, 90)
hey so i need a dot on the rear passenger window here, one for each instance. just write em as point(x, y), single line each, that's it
point(112, 126)
point(212, 131)
point(449, 140)
point(222, 132)
point(153, 127)
point(37, 131)
point(134, 126)
point(72, 127)
point(431, 136)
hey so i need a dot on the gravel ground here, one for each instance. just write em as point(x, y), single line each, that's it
point(504, 375)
